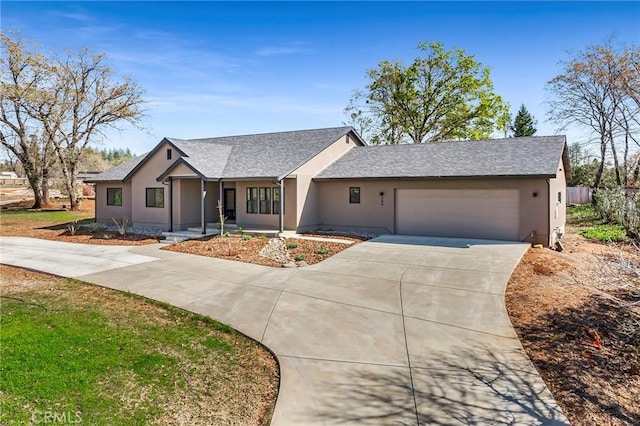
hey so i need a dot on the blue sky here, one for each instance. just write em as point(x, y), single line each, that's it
point(217, 68)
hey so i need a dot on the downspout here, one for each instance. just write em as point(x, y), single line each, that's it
point(203, 198)
point(170, 204)
point(281, 214)
point(548, 212)
point(95, 203)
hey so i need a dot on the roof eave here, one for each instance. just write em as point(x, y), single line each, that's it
point(536, 176)
point(104, 181)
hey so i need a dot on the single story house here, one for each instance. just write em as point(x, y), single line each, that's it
point(508, 189)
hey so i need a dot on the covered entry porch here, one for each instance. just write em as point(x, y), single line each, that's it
point(194, 203)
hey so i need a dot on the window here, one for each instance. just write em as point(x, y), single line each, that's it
point(559, 197)
point(114, 196)
point(354, 195)
point(276, 201)
point(169, 153)
point(155, 197)
point(265, 200)
point(252, 200)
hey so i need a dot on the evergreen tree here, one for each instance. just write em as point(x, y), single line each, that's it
point(523, 124)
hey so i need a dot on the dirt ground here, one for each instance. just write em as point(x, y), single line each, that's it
point(572, 315)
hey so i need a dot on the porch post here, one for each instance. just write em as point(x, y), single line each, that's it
point(171, 204)
point(203, 219)
point(281, 214)
point(221, 196)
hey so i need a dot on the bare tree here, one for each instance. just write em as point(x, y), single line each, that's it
point(596, 90)
point(21, 73)
point(66, 102)
point(83, 101)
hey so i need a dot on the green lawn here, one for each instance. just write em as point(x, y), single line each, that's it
point(47, 218)
point(110, 358)
point(585, 221)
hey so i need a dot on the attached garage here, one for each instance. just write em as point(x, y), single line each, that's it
point(510, 189)
point(473, 213)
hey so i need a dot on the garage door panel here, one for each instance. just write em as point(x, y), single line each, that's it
point(458, 213)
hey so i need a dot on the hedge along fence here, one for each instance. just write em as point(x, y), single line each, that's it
point(619, 205)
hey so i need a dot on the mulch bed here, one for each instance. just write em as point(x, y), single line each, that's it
point(247, 250)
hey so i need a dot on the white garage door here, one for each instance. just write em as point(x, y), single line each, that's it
point(474, 213)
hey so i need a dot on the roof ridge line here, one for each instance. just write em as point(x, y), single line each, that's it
point(262, 134)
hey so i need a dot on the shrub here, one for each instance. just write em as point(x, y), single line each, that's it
point(291, 246)
point(122, 225)
point(246, 237)
point(299, 258)
point(617, 206)
point(73, 227)
point(322, 250)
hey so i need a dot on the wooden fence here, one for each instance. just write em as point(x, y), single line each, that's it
point(13, 181)
point(578, 195)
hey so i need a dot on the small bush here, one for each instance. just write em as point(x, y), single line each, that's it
point(73, 227)
point(247, 237)
point(122, 225)
point(291, 246)
point(322, 250)
point(617, 206)
point(605, 233)
point(299, 258)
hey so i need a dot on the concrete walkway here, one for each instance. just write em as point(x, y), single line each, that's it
point(396, 330)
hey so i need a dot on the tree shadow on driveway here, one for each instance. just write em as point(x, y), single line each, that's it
point(491, 392)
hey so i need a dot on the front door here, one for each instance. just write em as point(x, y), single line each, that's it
point(230, 203)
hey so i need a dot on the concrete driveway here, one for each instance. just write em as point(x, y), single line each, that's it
point(396, 330)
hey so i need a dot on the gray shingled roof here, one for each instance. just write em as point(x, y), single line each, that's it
point(526, 156)
point(266, 155)
point(256, 156)
point(118, 173)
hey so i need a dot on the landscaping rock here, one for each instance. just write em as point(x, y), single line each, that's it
point(276, 249)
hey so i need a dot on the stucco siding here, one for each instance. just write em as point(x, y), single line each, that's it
point(306, 191)
point(181, 170)
point(105, 213)
point(558, 207)
point(375, 212)
point(189, 203)
point(145, 177)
